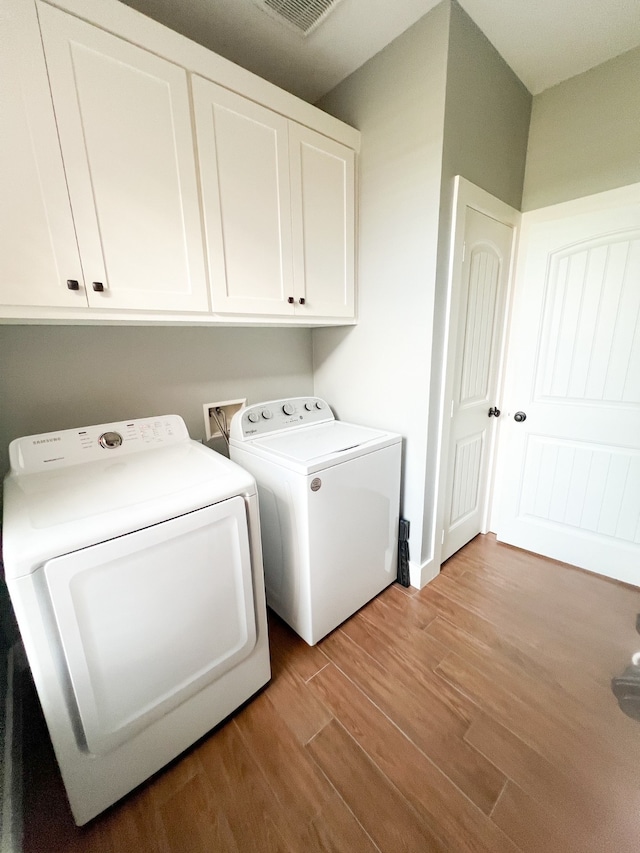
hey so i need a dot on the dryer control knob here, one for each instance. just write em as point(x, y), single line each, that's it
point(288, 408)
point(309, 406)
point(266, 414)
point(254, 417)
point(319, 405)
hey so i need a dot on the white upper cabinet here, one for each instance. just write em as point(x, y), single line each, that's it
point(145, 179)
point(323, 217)
point(244, 168)
point(279, 210)
point(38, 250)
point(124, 122)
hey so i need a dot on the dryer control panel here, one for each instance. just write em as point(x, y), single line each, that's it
point(277, 415)
point(35, 453)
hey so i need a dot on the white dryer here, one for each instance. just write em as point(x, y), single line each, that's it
point(132, 557)
point(329, 496)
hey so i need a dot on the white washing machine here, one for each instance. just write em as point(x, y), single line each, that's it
point(329, 507)
point(132, 557)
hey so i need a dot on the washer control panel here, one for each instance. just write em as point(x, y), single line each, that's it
point(71, 446)
point(277, 415)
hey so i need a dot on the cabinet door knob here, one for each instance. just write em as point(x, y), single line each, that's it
point(98, 286)
point(73, 284)
point(301, 300)
point(291, 300)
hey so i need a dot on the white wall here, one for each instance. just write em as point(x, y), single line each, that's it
point(378, 372)
point(60, 377)
point(585, 134)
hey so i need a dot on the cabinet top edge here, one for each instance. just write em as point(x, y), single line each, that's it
point(133, 26)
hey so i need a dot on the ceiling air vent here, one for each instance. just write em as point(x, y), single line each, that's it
point(304, 15)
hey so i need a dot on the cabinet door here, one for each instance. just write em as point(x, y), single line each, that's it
point(125, 131)
point(244, 169)
point(322, 206)
point(38, 250)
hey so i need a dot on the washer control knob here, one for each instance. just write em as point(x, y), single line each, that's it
point(266, 414)
point(319, 404)
point(253, 417)
point(288, 408)
point(309, 407)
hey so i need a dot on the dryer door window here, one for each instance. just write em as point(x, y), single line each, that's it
point(148, 619)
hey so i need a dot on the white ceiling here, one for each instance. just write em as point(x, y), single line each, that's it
point(544, 41)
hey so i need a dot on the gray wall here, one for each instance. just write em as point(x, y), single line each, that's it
point(378, 372)
point(585, 134)
point(486, 125)
point(487, 114)
point(60, 377)
point(437, 102)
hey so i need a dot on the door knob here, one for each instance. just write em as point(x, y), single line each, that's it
point(519, 417)
point(98, 286)
point(290, 300)
point(73, 284)
point(494, 412)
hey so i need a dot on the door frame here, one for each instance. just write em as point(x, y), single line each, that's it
point(466, 194)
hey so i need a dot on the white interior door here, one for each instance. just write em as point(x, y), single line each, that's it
point(570, 472)
point(480, 275)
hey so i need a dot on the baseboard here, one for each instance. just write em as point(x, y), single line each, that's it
point(421, 575)
point(11, 755)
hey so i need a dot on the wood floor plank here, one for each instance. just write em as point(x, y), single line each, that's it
point(592, 620)
point(136, 825)
point(455, 822)
point(540, 686)
point(255, 822)
point(306, 799)
point(412, 657)
point(292, 651)
point(298, 786)
point(580, 654)
point(586, 682)
point(536, 830)
point(521, 585)
point(409, 643)
point(558, 737)
point(191, 822)
point(438, 733)
point(595, 808)
point(402, 610)
point(297, 706)
point(336, 829)
point(379, 807)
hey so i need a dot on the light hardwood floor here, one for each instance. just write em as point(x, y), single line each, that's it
point(474, 715)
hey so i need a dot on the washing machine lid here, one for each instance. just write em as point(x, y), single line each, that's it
point(309, 449)
point(75, 488)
